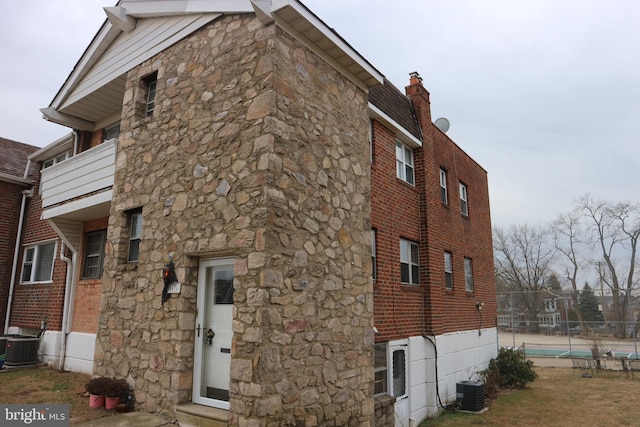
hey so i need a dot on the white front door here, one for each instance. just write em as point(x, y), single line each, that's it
point(211, 372)
point(398, 363)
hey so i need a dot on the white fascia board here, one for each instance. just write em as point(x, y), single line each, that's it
point(328, 33)
point(159, 8)
point(4, 177)
point(56, 147)
point(402, 133)
point(94, 51)
point(53, 115)
point(78, 204)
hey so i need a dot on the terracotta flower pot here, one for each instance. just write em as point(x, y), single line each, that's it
point(111, 402)
point(96, 401)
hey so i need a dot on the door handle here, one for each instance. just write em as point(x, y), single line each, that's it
point(210, 335)
point(198, 329)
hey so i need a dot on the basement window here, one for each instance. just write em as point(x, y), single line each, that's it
point(380, 369)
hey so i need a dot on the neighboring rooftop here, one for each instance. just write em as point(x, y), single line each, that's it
point(14, 157)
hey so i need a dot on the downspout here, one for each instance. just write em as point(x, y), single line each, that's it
point(69, 289)
point(75, 142)
point(16, 252)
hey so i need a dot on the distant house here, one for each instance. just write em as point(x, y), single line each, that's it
point(331, 247)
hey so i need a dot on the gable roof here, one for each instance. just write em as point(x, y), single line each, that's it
point(14, 161)
point(135, 30)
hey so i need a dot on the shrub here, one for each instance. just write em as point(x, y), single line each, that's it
point(105, 386)
point(509, 370)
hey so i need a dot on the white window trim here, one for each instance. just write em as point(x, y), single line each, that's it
point(402, 163)
point(374, 260)
point(464, 201)
point(133, 236)
point(408, 245)
point(443, 187)
point(34, 263)
point(448, 269)
point(468, 274)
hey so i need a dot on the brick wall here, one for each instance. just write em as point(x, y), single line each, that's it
point(10, 200)
point(400, 210)
point(33, 303)
point(88, 291)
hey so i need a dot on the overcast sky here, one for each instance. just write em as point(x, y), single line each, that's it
point(544, 94)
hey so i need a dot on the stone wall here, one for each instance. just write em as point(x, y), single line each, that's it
point(385, 411)
point(257, 149)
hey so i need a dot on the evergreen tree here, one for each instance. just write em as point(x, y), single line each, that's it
point(588, 304)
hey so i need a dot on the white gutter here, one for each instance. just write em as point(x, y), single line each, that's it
point(67, 308)
point(16, 252)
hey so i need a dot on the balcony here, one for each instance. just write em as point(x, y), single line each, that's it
point(79, 176)
point(78, 189)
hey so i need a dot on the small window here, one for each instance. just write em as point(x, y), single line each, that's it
point(448, 271)
point(55, 160)
point(468, 275)
point(94, 255)
point(373, 254)
point(37, 263)
point(443, 186)
point(404, 163)
point(151, 83)
point(464, 205)
point(111, 132)
point(380, 369)
point(224, 286)
point(135, 233)
point(409, 263)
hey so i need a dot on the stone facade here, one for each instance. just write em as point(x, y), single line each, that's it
point(257, 149)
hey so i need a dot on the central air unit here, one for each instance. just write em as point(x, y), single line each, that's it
point(470, 395)
point(21, 351)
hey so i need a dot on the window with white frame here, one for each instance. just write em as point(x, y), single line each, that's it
point(151, 83)
point(404, 163)
point(464, 205)
point(448, 270)
point(373, 254)
point(468, 275)
point(37, 263)
point(112, 132)
point(409, 263)
point(135, 234)
point(55, 159)
point(443, 186)
point(94, 255)
point(380, 374)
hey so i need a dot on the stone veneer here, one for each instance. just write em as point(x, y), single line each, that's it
point(257, 149)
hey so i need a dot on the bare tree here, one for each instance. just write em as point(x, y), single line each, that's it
point(568, 239)
point(615, 229)
point(522, 261)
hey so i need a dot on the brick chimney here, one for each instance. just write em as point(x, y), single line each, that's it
point(420, 98)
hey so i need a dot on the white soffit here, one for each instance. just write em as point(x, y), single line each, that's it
point(301, 23)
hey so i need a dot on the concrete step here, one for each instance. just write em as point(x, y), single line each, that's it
point(194, 415)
